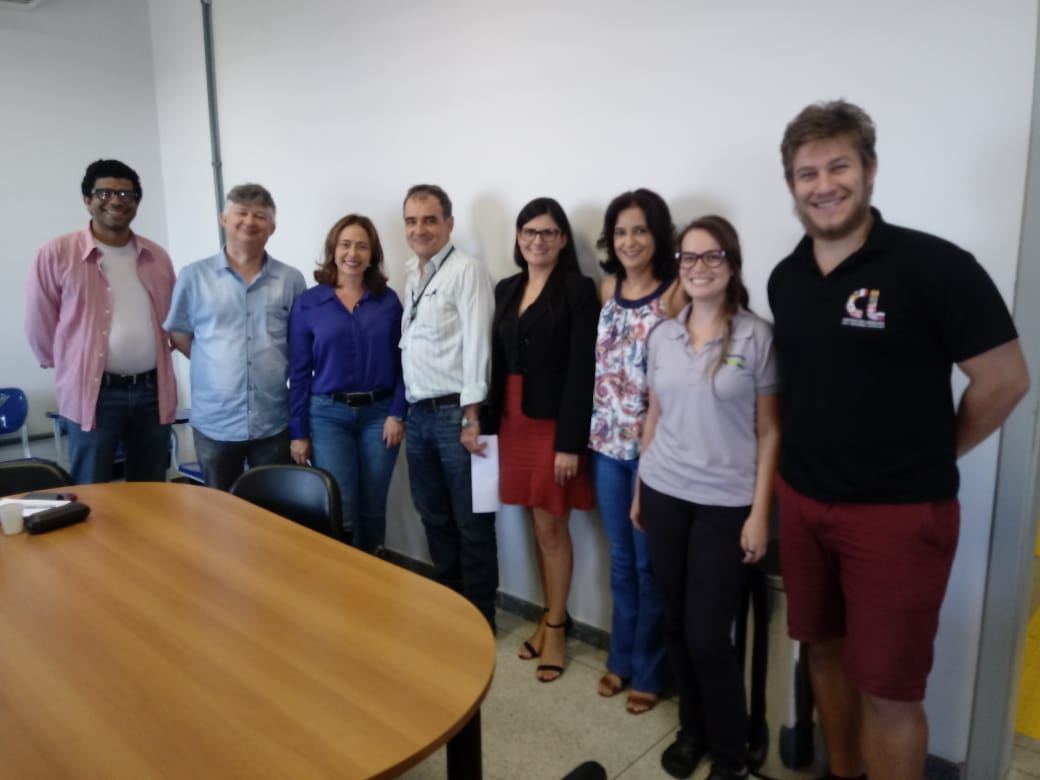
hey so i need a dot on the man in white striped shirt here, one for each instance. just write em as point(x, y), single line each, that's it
point(445, 355)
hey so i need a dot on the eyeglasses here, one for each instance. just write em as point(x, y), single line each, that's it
point(713, 258)
point(127, 196)
point(547, 234)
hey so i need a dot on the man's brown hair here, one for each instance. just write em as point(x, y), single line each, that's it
point(829, 119)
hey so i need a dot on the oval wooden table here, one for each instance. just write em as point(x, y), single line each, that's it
point(182, 632)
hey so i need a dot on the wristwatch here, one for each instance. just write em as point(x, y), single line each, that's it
point(467, 423)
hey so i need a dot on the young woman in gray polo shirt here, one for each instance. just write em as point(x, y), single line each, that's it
point(705, 486)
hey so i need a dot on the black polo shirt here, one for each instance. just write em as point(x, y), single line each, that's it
point(866, 355)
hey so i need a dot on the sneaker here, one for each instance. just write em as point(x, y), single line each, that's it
point(681, 758)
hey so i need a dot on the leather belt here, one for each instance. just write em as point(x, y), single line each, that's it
point(440, 402)
point(128, 380)
point(361, 399)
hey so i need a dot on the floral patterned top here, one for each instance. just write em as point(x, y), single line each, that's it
point(621, 393)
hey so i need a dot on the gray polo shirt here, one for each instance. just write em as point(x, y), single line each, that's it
point(705, 447)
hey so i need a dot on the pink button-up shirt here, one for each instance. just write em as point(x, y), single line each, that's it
point(69, 313)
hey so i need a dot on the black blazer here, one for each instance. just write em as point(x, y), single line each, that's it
point(558, 347)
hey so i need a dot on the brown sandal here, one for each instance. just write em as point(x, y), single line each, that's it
point(639, 703)
point(607, 686)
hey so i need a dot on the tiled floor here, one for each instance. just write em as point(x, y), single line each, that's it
point(1025, 758)
point(543, 730)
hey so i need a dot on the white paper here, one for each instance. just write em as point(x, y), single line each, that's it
point(34, 506)
point(484, 475)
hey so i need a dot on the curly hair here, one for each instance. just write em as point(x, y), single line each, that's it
point(109, 169)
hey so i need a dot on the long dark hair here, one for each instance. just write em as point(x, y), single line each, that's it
point(736, 295)
point(658, 222)
point(539, 207)
point(373, 280)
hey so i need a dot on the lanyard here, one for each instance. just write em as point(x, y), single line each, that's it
point(417, 298)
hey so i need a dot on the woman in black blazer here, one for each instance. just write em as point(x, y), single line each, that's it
point(542, 373)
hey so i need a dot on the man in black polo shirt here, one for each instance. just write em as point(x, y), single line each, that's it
point(870, 319)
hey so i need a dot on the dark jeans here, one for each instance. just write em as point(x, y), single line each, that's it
point(223, 462)
point(696, 555)
point(129, 415)
point(462, 544)
point(347, 441)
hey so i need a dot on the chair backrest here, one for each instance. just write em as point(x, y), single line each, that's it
point(14, 411)
point(21, 476)
point(304, 494)
point(14, 408)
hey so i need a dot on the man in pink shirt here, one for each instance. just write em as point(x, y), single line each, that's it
point(95, 303)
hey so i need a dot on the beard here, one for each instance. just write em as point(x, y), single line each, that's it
point(859, 216)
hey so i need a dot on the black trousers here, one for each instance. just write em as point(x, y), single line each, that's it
point(695, 551)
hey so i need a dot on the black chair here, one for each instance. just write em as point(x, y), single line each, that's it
point(306, 495)
point(21, 476)
point(590, 770)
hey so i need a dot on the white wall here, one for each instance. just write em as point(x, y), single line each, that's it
point(340, 106)
point(77, 85)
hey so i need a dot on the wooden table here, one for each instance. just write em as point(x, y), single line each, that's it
point(181, 632)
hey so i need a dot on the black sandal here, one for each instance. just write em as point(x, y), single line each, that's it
point(529, 648)
point(552, 667)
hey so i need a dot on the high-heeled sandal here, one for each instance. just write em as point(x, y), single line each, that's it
point(552, 667)
point(528, 653)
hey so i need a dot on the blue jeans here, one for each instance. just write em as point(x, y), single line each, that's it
point(636, 641)
point(129, 415)
point(223, 462)
point(462, 543)
point(347, 441)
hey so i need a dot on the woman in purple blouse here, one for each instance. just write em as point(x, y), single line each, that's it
point(346, 392)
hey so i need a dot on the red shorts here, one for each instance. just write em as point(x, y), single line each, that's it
point(874, 574)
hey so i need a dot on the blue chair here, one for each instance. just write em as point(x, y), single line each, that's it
point(14, 409)
point(191, 470)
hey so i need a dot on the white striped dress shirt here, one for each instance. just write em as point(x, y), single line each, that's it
point(446, 329)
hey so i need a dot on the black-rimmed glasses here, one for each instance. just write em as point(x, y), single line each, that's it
point(713, 258)
point(127, 196)
point(546, 234)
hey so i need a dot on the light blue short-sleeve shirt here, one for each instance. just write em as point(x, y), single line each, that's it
point(705, 446)
point(240, 345)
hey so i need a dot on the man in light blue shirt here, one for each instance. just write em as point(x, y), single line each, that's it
point(230, 315)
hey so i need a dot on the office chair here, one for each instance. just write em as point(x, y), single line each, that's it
point(14, 409)
point(21, 476)
point(304, 494)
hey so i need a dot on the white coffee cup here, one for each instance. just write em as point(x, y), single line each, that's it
point(11, 518)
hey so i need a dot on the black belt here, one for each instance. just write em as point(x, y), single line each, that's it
point(440, 402)
point(360, 399)
point(127, 380)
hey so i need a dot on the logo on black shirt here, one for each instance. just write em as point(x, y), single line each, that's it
point(874, 317)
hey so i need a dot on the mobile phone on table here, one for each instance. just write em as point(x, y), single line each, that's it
point(45, 496)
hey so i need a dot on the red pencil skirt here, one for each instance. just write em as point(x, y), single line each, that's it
point(527, 453)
